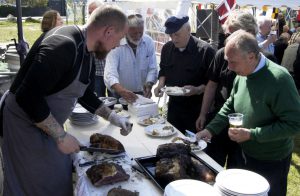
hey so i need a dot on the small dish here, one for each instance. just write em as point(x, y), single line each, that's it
point(160, 130)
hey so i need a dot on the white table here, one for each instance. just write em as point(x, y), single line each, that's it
point(137, 144)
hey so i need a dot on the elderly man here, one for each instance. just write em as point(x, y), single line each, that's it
point(184, 63)
point(131, 68)
point(218, 89)
point(270, 121)
point(56, 73)
point(265, 36)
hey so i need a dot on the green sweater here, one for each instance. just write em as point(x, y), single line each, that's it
point(271, 106)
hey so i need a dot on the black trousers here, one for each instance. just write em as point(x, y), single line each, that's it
point(276, 172)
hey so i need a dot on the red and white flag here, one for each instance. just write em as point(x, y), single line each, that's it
point(224, 9)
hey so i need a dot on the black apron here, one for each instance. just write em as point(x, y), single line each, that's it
point(33, 165)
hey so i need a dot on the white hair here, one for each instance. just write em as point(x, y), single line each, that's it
point(262, 20)
point(96, 2)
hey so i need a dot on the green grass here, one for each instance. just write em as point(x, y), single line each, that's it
point(32, 31)
point(9, 30)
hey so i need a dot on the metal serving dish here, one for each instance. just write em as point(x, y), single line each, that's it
point(148, 165)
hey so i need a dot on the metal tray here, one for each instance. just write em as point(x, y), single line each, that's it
point(148, 165)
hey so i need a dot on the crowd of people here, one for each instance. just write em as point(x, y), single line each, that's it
point(256, 73)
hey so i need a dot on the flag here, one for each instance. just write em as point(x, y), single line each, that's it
point(298, 16)
point(288, 13)
point(275, 13)
point(199, 6)
point(224, 9)
point(264, 9)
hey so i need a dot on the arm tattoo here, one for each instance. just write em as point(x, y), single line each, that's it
point(52, 127)
point(103, 111)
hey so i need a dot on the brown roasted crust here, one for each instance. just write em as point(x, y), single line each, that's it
point(175, 162)
point(121, 192)
point(170, 150)
point(98, 140)
point(106, 173)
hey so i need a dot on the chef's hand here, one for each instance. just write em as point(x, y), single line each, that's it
point(129, 96)
point(193, 90)
point(204, 135)
point(147, 90)
point(122, 122)
point(158, 92)
point(200, 122)
point(67, 144)
point(239, 134)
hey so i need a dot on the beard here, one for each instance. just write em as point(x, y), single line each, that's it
point(99, 51)
point(135, 42)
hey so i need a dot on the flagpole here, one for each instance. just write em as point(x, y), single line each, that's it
point(211, 25)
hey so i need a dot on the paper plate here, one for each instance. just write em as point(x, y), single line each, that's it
point(150, 120)
point(108, 101)
point(242, 182)
point(160, 130)
point(189, 187)
point(175, 91)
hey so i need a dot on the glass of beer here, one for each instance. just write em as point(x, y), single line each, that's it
point(235, 120)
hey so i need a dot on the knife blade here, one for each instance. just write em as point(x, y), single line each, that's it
point(94, 149)
point(93, 162)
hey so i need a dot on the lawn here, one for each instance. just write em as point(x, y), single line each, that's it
point(32, 31)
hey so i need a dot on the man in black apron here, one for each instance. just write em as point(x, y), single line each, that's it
point(56, 74)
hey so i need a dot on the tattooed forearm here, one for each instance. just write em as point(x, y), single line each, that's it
point(103, 111)
point(52, 127)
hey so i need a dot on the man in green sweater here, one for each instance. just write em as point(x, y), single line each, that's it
point(266, 95)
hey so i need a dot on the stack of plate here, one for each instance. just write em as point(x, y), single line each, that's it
point(189, 187)
point(240, 182)
point(80, 116)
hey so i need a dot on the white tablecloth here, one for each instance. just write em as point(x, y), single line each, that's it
point(137, 144)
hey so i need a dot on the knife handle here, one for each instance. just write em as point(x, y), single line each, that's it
point(82, 148)
point(88, 163)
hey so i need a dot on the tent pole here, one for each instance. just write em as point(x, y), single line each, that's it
point(21, 51)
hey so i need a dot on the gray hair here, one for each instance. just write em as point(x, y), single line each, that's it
point(108, 15)
point(244, 42)
point(135, 20)
point(241, 20)
point(98, 3)
point(262, 20)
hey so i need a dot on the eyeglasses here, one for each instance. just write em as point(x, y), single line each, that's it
point(134, 15)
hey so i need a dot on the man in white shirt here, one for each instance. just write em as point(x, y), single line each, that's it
point(265, 36)
point(131, 68)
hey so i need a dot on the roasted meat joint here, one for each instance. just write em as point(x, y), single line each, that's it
point(175, 162)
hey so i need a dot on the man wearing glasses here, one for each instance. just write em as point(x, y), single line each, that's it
point(131, 68)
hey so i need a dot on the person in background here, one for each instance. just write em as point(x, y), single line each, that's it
point(286, 29)
point(270, 121)
point(100, 88)
point(281, 23)
point(280, 45)
point(265, 36)
point(50, 20)
point(218, 89)
point(184, 63)
point(131, 68)
point(36, 148)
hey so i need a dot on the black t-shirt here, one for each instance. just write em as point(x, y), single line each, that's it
point(51, 65)
point(188, 67)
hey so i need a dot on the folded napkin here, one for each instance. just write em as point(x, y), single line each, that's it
point(142, 101)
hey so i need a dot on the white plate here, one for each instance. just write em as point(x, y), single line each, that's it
point(157, 130)
point(189, 187)
point(201, 146)
point(108, 101)
point(176, 91)
point(149, 120)
point(123, 113)
point(195, 148)
point(123, 101)
point(239, 181)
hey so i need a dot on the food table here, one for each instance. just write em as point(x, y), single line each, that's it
point(137, 144)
